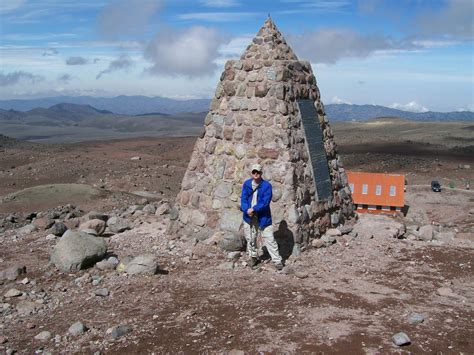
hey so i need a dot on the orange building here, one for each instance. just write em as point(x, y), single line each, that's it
point(377, 193)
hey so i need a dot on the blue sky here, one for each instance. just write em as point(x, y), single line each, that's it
point(415, 55)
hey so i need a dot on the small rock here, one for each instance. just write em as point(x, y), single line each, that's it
point(93, 226)
point(345, 229)
point(77, 329)
point(416, 318)
point(30, 325)
point(58, 229)
point(145, 263)
point(401, 339)
point(120, 330)
point(13, 292)
point(426, 233)
point(333, 232)
point(317, 243)
point(301, 274)
point(136, 158)
point(149, 209)
point(105, 265)
point(118, 225)
point(102, 292)
point(43, 223)
point(12, 273)
point(226, 266)
point(43, 336)
point(163, 209)
point(113, 260)
point(3, 339)
point(328, 239)
point(445, 292)
point(29, 228)
point(95, 215)
point(51, 237)
point(26, 308)
point(25, 281)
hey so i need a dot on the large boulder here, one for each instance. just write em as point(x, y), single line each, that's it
point(231, 221)
point(232, 242)
point(142, 264)
point(77, 250)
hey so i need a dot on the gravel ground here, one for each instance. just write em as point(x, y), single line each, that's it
point(350, 297)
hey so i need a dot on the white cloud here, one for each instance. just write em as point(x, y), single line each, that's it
point(50, 52)
point(76, 61)
point(236, 46)
point(337, 100)
point(16, 77)
point(331, 45)
point(220, 3)
point(10, 5)
point(314, 6)
point(436, 43)
point(219, 16)
point(412, 106)
point(191, 52)
point(455, 20)
point(124, 62)
point(125, 17)
point(64, 78)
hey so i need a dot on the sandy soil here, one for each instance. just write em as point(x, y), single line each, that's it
point(348, 298)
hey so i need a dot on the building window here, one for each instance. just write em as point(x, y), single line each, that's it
point(351, 186)
point(365, 189)
point(378, 190)
point(393, 190)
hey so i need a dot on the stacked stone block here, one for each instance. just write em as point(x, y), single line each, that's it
point(254, 118)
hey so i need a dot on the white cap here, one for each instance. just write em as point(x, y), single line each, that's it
point(257, 167)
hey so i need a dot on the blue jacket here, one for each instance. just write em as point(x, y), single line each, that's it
point(262, 208)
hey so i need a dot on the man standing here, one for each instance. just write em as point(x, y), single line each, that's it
point(255, 205)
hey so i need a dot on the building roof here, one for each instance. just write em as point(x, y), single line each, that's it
point(269, 44)
point(385, 181)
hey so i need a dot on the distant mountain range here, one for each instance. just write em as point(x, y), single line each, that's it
point(72, 122)
point(124, 105)
point(142, 105)
point(345, 112)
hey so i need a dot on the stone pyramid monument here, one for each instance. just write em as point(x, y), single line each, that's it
point(266, 110)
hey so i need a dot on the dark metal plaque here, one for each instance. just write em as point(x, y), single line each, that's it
point(317, 153)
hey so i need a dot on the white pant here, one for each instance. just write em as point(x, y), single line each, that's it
point(251, 232)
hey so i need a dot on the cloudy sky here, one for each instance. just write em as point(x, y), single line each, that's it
point(415, 55)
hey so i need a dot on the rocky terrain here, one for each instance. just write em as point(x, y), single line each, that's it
point(133, 288)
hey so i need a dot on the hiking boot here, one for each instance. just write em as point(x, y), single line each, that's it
point(253, 262)
point(279, 266)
